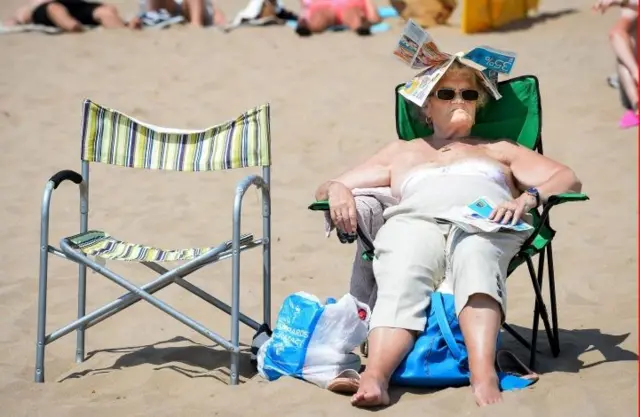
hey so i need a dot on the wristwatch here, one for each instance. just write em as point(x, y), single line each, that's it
point(534, 192)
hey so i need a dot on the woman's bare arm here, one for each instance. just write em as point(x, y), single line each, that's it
point(532, 169)
point(375, 172)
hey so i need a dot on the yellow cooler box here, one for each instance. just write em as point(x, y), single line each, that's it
point(485, 15)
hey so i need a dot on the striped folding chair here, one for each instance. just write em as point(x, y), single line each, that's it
point(111, 137)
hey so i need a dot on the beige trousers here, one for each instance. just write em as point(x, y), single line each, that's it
point(414, 254)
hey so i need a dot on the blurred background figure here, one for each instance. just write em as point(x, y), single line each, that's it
point(623, 37)
point(319, 15)
point(69, 15)
point(197, 12)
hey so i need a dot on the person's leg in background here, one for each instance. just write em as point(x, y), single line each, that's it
point(316, 17)
point(108, 16)
point(354, 19)
point(624, 46)
point(371, 12)
point(56, 14)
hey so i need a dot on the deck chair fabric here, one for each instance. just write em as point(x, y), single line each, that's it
point(517, 116)
point(113, 138)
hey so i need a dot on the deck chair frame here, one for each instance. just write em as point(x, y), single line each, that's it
point(229, 249)
point(527, 252)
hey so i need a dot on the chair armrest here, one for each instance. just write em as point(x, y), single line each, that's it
point(554, 200)
point(320, 205)
point(65, 175)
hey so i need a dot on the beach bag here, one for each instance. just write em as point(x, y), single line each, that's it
point(439, 357)
point(314, 341)
point(426, 13)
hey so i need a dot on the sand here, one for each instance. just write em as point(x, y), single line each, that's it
point(332, 105)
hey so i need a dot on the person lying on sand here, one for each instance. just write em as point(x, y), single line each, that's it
point(319, 15)
point(430, 176)
point(70, 15)
point(624, 44)
point(198, 12)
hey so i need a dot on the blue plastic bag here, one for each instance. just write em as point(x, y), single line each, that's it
point(314, 341)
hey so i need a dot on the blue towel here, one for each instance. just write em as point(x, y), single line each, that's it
point(385, 12)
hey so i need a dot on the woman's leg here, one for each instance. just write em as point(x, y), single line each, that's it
point(195, 11)
point(628, 86)
point(354, 18)
point(55, 14)
point(479, 265)
point(169, 5)
point(409, 261)
point(107, 15)
point(316, 18)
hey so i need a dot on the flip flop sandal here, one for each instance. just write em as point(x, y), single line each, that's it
point(346, 382)
point(512, 372)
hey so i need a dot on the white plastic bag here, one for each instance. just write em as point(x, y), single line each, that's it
point(314, 341)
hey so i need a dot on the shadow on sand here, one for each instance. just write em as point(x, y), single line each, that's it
point(190, 359)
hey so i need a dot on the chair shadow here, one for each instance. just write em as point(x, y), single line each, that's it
point(528, 22)
point(573, 343)
point(194, 360)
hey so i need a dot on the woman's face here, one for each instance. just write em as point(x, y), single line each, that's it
point(452, 104)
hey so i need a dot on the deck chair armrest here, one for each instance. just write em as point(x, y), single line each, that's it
point(65, 175)
point(320, 205)
point(323, 205)
point(551, 202)
point(554, 200)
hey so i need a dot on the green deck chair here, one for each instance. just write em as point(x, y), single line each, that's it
point(113, 138)
point(517, 116)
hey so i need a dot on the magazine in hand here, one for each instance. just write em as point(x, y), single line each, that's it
point(417, 49)
point(474, 218)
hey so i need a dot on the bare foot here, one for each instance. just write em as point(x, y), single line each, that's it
point(372, 392)
point(135, 23)
point(486, 390)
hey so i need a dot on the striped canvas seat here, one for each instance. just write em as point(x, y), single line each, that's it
point(101, 244)
point(112, 137)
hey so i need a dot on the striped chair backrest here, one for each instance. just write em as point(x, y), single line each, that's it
point(111, 137)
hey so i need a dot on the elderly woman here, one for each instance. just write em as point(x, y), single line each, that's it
point(429, 176)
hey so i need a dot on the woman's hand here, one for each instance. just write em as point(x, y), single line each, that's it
point(512, 211)
point(342, 207)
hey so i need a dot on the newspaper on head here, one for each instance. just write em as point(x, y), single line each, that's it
point(417, 49)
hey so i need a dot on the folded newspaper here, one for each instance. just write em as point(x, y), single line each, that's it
point(474, 218)
point(418, 50)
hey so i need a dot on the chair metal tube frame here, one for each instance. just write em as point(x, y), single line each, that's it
point(238, 243)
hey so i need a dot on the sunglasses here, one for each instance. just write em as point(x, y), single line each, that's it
point(449, 94)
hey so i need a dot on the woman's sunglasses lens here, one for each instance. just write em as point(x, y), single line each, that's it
point(446, 94)
point(470, 95)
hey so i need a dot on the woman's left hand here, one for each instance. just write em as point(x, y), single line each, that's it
point(512, 211)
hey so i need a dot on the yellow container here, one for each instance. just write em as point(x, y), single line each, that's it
point(485, 15)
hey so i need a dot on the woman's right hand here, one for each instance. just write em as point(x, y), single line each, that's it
point(342, 207)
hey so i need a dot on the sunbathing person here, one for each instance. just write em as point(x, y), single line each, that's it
point(70, 15)
point(429, 176)
point(197, 12)
point(319, 15)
